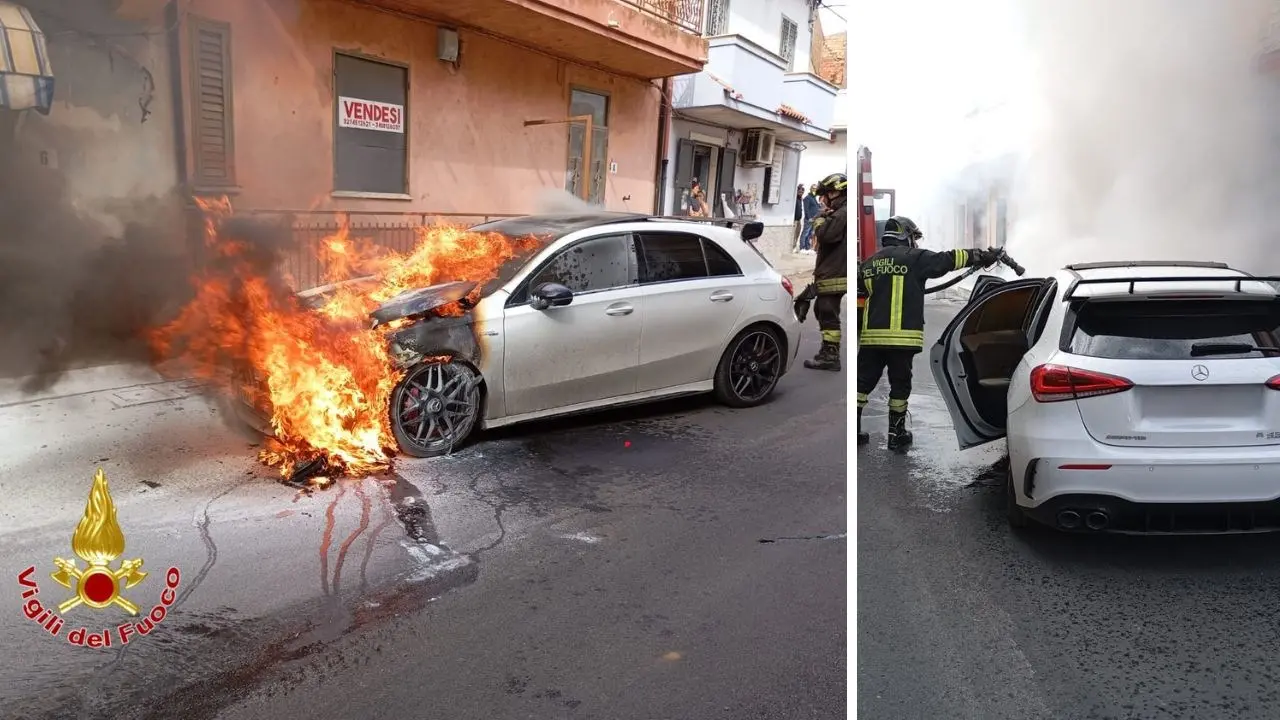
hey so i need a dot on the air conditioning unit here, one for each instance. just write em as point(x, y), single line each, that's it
point(757, 148)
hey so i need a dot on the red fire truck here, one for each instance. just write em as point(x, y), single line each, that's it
point(875, 207)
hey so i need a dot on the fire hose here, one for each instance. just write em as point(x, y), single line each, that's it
point(1001, 257)
point(810, 292)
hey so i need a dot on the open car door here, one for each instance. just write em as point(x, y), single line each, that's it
point(983, 284)
point(978, 352)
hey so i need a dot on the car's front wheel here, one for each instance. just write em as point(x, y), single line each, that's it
point(750, 368)
point(434, 408)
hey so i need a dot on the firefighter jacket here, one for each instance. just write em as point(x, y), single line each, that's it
point(893, 282)
point(830, 230)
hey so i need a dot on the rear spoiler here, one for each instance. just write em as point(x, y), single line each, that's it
point(1264, 286)
point(751, 229)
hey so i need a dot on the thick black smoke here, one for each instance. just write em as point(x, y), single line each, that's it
point(71, 297)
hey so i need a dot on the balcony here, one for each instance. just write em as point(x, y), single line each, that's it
point(811, 97)
point(647, 39)
point(745, 86)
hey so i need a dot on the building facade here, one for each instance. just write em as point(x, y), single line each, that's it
point(819, 158)
point(387, 109)
point(738, 127)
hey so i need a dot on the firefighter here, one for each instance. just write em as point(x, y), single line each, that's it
point(892, 331)
point(830, 268)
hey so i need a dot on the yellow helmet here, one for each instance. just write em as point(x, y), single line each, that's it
point(833, 183)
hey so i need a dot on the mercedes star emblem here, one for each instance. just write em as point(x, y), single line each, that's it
point(1200, 373)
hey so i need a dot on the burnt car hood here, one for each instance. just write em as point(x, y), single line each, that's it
point(421, 301)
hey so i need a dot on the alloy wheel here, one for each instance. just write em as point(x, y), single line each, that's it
point(756, 365)
point(434, 408)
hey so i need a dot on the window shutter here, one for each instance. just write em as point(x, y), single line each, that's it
point(211, 123)
point(789, 36)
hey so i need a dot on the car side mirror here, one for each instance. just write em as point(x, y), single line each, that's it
point(549, 295)
point(752, 230)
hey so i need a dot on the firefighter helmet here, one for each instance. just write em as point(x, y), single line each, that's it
point(902, 230)
point(833, 183)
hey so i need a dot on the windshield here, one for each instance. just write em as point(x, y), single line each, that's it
point(510, 268)
point(546, 229)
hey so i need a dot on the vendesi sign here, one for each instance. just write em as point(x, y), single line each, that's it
point(370, 115)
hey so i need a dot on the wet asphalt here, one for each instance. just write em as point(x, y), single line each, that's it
point(958, 617)
point(682, 560)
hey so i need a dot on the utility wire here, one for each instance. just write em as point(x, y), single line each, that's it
point(831, 9)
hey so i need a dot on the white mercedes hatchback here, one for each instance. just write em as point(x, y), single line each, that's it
point(605, 309)
point(1136, 397)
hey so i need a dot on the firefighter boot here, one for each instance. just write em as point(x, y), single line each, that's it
point(863, 437)
point(828, 358)
point(899, 436)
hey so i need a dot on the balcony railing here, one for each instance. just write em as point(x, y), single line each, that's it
point(685, 14)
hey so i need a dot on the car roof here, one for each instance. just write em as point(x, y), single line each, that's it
point(1159, 272)
point(557, 225)
point(1151, 268)
point(553, 226)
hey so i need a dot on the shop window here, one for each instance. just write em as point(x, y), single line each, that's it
point(370, 147)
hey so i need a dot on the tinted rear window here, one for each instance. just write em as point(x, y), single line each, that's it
point(1166, 330)
point(719, 263)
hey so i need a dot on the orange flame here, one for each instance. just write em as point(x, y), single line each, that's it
point(329, 376)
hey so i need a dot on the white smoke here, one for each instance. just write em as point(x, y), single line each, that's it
point(554, 201)
point(1152, 135)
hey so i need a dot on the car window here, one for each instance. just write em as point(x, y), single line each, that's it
point(719, 264)
point(1042, 311)
point(1004, 310)
point(1166, 330)
point(671, 256)
point(596, 264)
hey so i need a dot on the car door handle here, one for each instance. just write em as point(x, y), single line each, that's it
point(619, 309)
point(721, 296)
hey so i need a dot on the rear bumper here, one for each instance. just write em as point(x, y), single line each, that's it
point(1168, 480)
point(1108, 513)
point(793, 342)
point(1046, 441)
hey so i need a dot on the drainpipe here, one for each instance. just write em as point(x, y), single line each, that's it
point(192, 226)
point(172, 16)
point(660, 167)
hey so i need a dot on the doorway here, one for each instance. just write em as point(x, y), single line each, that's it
point(704, 171)
point(711, 167)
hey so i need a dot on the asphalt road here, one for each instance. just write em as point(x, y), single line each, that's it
point(960, 618)
point(679, 561)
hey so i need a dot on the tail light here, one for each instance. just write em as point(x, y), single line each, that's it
point(1055, 383)
point(1274, 383)
point(786, 285)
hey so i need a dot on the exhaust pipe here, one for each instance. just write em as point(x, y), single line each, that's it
point(1068, 519)
point(1096, 520)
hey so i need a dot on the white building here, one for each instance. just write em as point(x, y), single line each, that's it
point(821, 158)
point(739, 126)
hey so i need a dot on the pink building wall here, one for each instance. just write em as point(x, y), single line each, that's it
point(469, 151)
